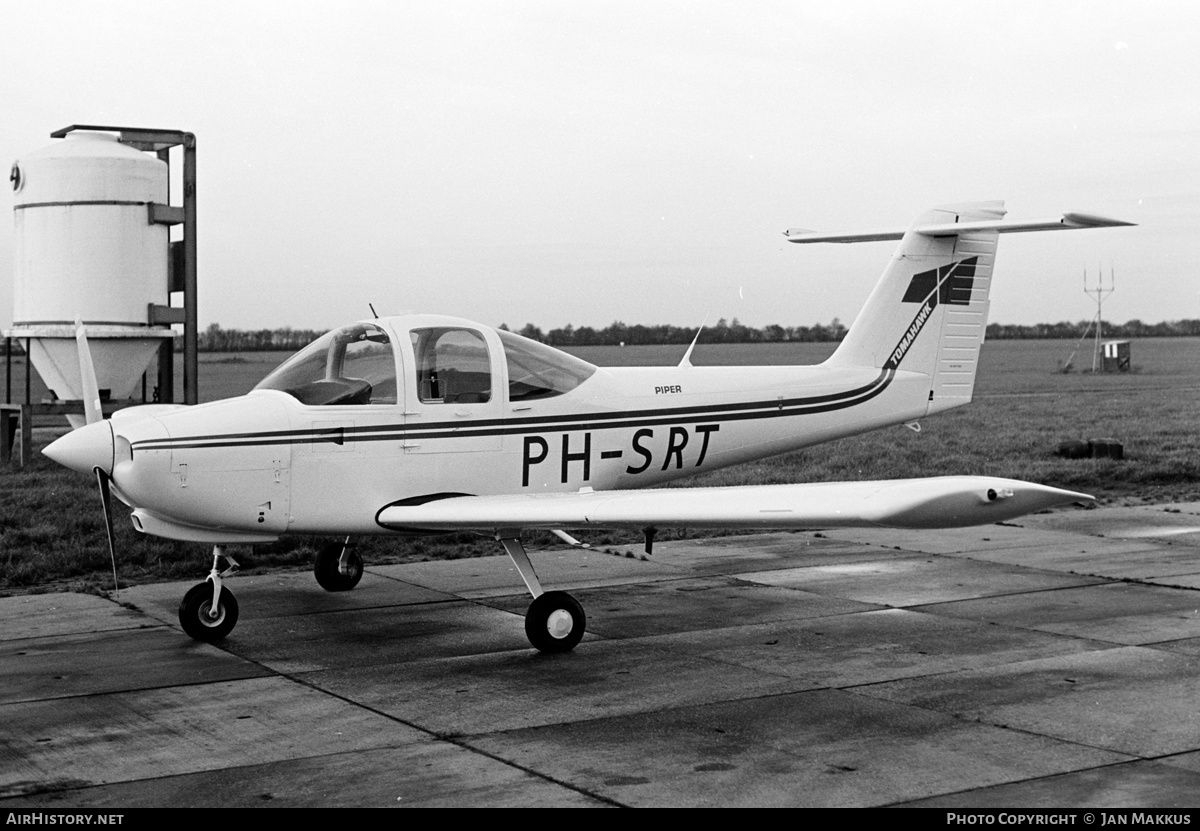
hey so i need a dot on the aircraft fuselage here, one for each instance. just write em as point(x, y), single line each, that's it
point(266, 463)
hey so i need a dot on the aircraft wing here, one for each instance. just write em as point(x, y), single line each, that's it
point(942, 502)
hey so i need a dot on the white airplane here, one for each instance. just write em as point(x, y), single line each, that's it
point(422, 423)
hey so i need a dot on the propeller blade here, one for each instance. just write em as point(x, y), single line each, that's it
point(102, 479)
point(87, 372)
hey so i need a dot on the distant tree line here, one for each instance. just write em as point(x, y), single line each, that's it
point(216, 339)
point(723, 331)
point(1111, 331)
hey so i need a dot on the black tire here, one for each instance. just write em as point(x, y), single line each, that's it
point(195, 618)
point(325, 569)
point(555, 622)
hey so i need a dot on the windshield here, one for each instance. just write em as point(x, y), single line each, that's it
point(351, 365)
point(539, 371)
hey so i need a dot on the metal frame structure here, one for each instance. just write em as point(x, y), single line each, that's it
point(182, 260)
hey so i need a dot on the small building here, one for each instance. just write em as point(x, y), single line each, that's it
point(1116, 355)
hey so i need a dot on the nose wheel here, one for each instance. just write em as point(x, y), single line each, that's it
point(209, 611)
point(206, 619)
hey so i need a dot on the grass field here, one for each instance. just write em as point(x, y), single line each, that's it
point(52, 535)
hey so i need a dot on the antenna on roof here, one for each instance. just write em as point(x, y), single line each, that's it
point(371, 306)
point(687, 356)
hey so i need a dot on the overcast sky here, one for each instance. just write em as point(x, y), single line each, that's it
point(562, 162)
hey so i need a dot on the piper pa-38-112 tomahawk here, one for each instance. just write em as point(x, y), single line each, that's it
point(422, 423)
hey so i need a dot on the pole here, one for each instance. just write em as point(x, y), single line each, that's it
point(1100, 291)
point(191, 362)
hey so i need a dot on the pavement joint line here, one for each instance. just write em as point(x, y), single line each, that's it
point(371, 570)
point(385, 606)
point(432, 734)
point(1132, 757)
point(1151, 583)
point(1160, 645)
point(185, 774)
point(1043, 778)
point(1091, 638)
point(461, 743)
point(157, 625)
point(1103, 646)
point(105, 693)
point(1107, 581)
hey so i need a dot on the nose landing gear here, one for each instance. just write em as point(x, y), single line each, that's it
point(209, 611)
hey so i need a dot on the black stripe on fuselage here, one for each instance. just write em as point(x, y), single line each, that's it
point(776, 408)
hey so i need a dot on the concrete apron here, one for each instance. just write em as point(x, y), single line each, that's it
point(1025, 664)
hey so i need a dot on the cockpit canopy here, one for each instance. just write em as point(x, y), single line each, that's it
point(356, 364)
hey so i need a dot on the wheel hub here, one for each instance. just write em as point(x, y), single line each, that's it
point(560, 623)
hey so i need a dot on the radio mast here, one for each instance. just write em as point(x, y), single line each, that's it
point(1100, 292)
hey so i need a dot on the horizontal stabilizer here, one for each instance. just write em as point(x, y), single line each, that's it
point(944, 502)
point(1066, 222)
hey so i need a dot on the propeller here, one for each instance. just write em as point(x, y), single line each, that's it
point(102, 479)
point(87, 373)
point(92, 413)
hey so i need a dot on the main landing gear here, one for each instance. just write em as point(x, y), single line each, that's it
point(555, 621)
point(209, 611)
point(338, 567)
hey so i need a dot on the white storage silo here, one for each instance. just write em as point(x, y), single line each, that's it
point(84, 247)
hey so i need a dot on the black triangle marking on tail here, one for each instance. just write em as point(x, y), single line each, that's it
point(952, 282)
point(949, 284)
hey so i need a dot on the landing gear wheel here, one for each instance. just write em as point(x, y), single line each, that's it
point(555, 622)
point(198, 619)
point(329, 575)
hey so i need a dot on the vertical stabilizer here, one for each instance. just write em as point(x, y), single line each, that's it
point(928, 312)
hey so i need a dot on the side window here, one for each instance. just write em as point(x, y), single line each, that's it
point(539, 371)
point(453, 366)
point(351, 365)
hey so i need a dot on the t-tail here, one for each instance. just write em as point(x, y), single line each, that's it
point(928, 313)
